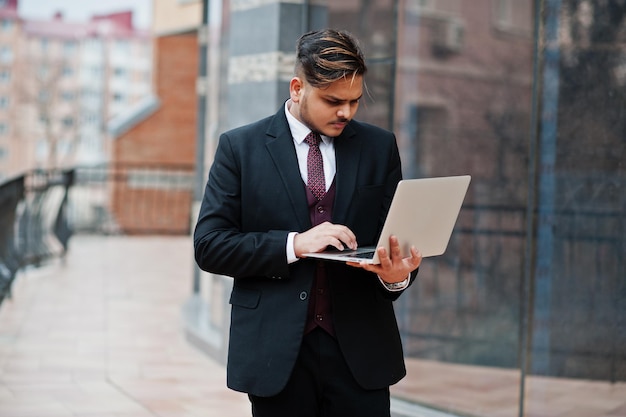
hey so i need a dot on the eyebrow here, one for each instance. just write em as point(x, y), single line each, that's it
point(341, 100)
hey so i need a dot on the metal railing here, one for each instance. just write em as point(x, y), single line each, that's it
point(33, 221)
point(41, 209)
point(132, 199)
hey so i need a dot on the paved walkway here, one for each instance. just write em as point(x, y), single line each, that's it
point(102, 336)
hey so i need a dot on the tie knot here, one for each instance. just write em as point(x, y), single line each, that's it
point(313, 139)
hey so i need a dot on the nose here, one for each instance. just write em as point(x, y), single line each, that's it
point(344, 111)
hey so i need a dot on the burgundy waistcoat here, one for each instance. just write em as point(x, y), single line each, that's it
point(319, 312)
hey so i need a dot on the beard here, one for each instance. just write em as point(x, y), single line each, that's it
point(307, 119)
point(305, 116)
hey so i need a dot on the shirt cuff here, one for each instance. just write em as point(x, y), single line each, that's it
point(396, 286)
point(291, 252)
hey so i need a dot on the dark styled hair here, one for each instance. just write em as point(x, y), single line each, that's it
point(325, 56)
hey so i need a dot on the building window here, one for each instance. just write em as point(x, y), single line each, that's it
point(44, 96)
point(68, 121)
point(68, 96)
point(6, 54)
point(6, 25)
point(122, 47)
point(5, 76)
point(119, 72)
point(41, 150)
point(425, 4)
point(64, 148)
point(93, 46)
point(119, 98)
point(4, 129)
point(512, 16)
point(96, 71)
point(43, 72)
point(502, 12)
point(430, 133)
point(4, 102)
point(69, 48)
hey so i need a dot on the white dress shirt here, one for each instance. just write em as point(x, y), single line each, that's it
point(327, 147)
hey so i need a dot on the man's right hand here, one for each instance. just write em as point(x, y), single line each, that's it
point(318, 238)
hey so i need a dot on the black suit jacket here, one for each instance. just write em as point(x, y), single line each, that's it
point(253, 198)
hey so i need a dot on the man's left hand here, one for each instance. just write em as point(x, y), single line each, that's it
point(392, 268)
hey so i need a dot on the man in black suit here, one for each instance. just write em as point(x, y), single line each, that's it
point(307, 337)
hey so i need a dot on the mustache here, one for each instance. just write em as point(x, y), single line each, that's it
point(342, 120)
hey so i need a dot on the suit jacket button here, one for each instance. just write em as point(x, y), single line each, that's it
point(303, 295)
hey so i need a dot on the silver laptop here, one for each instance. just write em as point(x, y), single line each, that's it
point(422, 214)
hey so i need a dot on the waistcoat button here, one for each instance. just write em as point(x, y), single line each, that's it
point(303, 295)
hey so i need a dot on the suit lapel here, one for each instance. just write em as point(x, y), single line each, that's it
point(347, 154)
point(281, 149)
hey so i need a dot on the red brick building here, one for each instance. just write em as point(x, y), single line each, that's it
point(153, 146)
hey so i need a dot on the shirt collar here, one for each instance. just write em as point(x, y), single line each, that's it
point(299, 130)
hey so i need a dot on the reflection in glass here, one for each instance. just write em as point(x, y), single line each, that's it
point(529, 299)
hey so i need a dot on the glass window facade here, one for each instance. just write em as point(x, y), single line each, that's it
point(528, 305)
point(525, 313)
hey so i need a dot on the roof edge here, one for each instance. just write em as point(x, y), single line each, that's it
point(125, 121)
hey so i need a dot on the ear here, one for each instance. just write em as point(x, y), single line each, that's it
point(296, 89)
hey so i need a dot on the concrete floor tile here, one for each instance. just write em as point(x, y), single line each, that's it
point(102, 335)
